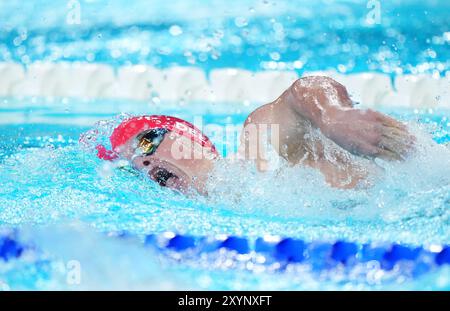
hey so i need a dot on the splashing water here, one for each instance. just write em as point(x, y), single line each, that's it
point(414, 188)
point(57, 183)
point(54, 180)
point(47, 178)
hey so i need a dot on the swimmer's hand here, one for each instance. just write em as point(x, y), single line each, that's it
point(368, 133)
point(327, 105)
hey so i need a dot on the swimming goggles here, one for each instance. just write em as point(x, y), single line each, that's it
point(149, 141)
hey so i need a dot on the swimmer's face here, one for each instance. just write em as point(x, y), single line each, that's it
point(176, 163)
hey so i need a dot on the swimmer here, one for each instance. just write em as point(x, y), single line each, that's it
point(176, 154)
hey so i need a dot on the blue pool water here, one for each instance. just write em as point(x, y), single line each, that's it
point(61, 203)
point(251, 34)
point(48, 179)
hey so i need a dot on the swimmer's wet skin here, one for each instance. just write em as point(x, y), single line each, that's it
point(152, 143)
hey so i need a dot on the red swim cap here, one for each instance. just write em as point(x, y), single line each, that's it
point(131, 127)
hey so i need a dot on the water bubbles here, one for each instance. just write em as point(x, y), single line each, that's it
point(191, 59)
point(431, 53)
point(218, 34)
point(342, 68)
point(90, 57)
point(17, 41)
point(240, 22)
point(116, 53)
point(215, 54)
point(298, 64)
point(235, 40)
point(25, 59)
point(164, 50)
point(4, 286)
point(203, 57)
point(275, 56)
point(283, 31)
point(23, 33)
point(154, 98)
point(84, 186)
point(278, 28)
point(446, 36)
point(106, 170)
point(175, 30)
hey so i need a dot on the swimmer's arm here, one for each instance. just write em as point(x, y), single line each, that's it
point(328, 106)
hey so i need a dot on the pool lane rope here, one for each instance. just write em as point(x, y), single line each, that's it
point(296, 251)
point(10, 247)
point(317, 254)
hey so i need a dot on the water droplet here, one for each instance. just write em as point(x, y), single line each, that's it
point(25, 59)
point(218, 33)
point(215, 54)
point(17, 41)
point(155, 98)
point(275, 56)
point(90, 57)
point(342, 68)
point(298, 64)
point(203, 57)
point(240, 21)
point(175, 30)
point(116, 53)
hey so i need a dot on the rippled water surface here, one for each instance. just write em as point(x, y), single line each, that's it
point(49, 179)
point(62, 198)
point(411, 36)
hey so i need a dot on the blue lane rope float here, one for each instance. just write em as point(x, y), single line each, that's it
point(319, 255)
point(10, 248)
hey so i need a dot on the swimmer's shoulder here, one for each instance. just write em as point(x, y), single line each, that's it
point(261, 115)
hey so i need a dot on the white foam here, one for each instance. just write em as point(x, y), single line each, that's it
point(400, 190)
